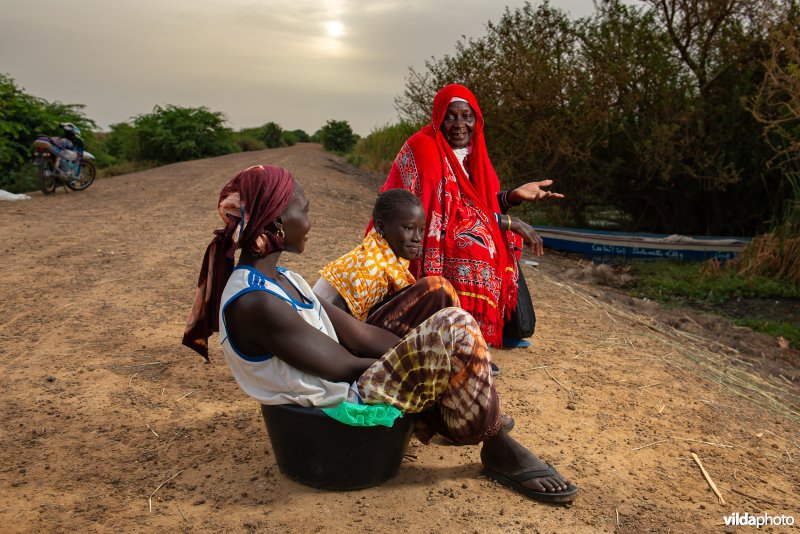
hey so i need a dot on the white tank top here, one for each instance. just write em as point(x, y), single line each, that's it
point(267, 378)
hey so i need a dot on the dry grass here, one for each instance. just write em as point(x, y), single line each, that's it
point(776, 254)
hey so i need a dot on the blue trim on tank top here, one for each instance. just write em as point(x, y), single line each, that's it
point(257, 278)
point(251, 359)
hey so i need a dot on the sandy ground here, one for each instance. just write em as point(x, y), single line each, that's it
point(109, 424)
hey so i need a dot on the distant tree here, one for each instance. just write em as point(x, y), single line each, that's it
point(272, 135)
point(173, 133)
point(776, 104)
point(338, 136)
point(122, 142)
point(301, 136)
point(268, 135)
point(721, 44)
point(295, 136)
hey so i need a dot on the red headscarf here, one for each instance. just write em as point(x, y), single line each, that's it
point(247, 204)
point(463, 241)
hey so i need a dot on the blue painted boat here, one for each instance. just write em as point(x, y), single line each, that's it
point(601, 244)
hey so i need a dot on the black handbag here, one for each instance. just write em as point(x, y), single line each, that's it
point(522, 322)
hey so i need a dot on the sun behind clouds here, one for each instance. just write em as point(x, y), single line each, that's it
point(334, 28)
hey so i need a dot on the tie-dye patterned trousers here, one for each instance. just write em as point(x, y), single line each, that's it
point(440, 370)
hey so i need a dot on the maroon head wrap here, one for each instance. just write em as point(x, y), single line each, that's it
point(247, 204)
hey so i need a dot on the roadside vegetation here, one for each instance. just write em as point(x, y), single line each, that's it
point(723, 289)
point(376, 151)
point(167, 134)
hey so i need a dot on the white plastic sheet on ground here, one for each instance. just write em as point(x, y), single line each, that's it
point(5, 195)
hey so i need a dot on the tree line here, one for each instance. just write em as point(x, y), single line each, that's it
point(667, 116)
point(167, 134)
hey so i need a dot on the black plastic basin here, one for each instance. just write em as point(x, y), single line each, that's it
point(318, 451)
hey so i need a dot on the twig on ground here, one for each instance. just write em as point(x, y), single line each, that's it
point(642, 388)
point(706, 442)
point(749, 483)
point(132, 377)
point(693, 321)
point(109, 281)
point(175, 435)
point(784, 439)
point(184, 515)
point(153, 431)
point(762, 499)
point(410, 457)
point(210, 512)
point(609, 316)
point(150, 498)
point(617, 512)
point(535, 368)
point(771, 485)
point(546, 370)
point(708, 478)
point(649, 445)
point(133, 366)
point(184, 396)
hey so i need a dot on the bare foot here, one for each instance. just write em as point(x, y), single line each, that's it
point(505, 456)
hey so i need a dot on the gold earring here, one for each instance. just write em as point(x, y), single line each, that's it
point(280, 233)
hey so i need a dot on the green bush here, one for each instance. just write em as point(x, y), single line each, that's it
point(297, 136)
point(269, 135)
point(122, 142)
point(377, 151)
point(248, 144)
point(338, 136)
point(272, 134)
point(173, 133)
point(20, 180)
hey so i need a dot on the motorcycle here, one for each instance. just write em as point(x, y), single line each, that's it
point(58, 163)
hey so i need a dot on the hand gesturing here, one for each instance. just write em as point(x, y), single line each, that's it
point(533, 191)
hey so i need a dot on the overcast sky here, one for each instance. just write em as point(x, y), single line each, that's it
point(294, 62)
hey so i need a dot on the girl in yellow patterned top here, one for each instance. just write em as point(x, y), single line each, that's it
point(378, 267)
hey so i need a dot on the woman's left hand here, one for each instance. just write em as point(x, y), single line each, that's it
point(528, 234)
point(533, 191)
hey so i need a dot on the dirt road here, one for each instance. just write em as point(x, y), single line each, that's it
point(109, 424)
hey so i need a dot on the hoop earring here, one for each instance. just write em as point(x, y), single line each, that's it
point(280, 233)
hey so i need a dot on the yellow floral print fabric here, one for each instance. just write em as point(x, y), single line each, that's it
point(367, 274)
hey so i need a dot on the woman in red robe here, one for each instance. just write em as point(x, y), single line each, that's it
point(469, 239)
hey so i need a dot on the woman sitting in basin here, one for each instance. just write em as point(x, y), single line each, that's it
point(285, 346)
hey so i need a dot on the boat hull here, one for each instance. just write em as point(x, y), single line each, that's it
point(600, 244)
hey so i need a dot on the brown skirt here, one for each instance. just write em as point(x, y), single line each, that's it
point(440, 369)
